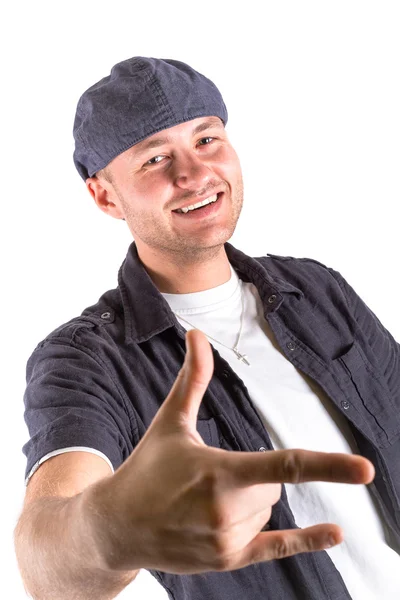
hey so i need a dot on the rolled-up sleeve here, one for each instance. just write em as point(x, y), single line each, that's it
point(71, 400)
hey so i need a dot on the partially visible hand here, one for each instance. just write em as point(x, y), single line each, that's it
point(179, 506)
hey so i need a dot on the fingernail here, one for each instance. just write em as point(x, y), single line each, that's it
point(331, 541)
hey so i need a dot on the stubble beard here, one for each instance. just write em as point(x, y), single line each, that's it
point(180, 248)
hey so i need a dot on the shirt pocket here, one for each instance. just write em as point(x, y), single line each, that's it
point(368, 393)
point(208, 430)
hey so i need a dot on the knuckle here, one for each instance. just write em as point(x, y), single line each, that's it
point(292, 466)
point(218, 514)
point(307, 543)
point(281, 548)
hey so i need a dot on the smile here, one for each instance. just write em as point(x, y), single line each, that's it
point(209, 200)
point(209, 207)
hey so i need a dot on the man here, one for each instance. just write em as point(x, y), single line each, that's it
point(152, 448)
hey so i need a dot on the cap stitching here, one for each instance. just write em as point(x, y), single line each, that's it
point(161, 96)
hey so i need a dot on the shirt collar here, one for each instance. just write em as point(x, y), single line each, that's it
point(147, 313)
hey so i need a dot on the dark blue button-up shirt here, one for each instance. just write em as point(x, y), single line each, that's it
point(98, 380)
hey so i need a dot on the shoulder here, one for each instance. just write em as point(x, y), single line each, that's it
point(94, 323)
point(294, 261)
point(300, 271)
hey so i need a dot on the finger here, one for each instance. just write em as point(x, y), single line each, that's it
point(273, 545)
point(184, 399)
point(295, 466)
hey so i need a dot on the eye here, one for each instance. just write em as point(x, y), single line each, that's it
point(154, 160)
point(205, 141)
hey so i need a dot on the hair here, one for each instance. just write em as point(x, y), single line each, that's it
point(104, 174)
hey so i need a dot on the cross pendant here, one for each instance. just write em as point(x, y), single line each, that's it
point(242, 357)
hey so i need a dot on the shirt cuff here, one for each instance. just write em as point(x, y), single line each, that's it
point(61, 451)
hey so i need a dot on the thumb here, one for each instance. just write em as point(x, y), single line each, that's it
point(184, 399)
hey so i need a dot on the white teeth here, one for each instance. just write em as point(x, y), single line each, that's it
point(203, 203)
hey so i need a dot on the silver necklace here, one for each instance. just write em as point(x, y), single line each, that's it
point(242, 357)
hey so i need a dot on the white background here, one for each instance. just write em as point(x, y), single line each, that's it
point(313, 95)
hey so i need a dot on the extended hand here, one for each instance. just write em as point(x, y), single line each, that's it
point(180, 506)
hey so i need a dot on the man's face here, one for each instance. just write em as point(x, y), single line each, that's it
point(176, 168)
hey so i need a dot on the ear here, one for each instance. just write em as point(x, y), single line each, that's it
point(105, 197)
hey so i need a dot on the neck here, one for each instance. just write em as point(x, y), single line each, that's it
point(185, 275)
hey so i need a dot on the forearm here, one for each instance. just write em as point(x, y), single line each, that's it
point(59, 556)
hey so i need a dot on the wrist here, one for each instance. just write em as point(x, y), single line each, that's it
point(108, 530)
point(93, 510)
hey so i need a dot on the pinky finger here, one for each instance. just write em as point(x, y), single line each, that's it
point(273, 545)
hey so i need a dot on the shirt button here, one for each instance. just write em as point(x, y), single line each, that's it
point(105, 315)
point(262, 449)
point(291, 346)
point(345, 405)
point(272, 299)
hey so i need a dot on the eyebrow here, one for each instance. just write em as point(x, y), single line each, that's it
point(156, 143)
point(207, 125)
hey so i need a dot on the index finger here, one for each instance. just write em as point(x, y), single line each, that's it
point(296, 466)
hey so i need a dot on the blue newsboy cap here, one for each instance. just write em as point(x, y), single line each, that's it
point(140, 97)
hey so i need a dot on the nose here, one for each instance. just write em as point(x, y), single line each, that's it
point(191, 172)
